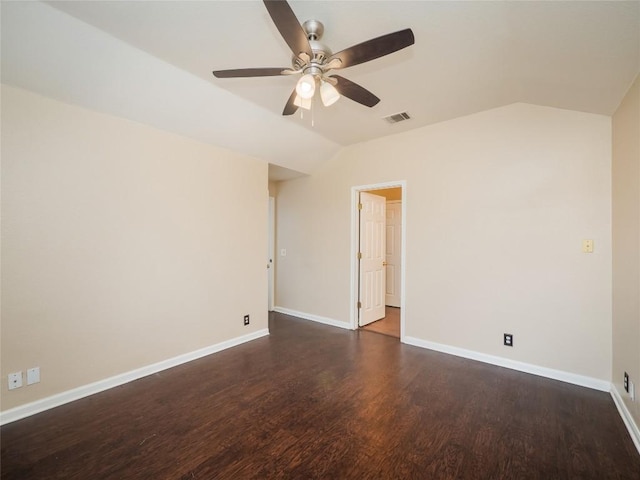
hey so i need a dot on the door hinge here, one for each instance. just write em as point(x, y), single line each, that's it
point(359, 304)
point(359, 206)
point(359, 255)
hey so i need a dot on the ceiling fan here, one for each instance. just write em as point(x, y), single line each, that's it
point(314, 60)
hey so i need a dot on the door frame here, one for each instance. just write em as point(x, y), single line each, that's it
point(355, 242)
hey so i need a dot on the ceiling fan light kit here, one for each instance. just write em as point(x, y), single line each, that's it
point(302, 102)
point(306, 86)
point(328, 94)
point(314, 60)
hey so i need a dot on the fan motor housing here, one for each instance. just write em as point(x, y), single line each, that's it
point(321, 53)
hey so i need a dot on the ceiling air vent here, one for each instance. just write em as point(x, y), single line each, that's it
point(397, 117)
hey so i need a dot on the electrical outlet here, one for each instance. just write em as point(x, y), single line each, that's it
point(508, 339)
point(626, 382)
point(15, 380)
point(33, 375)
point(587, 246)
point(246, 320)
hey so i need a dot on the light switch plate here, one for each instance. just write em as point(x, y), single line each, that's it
point(33, 375)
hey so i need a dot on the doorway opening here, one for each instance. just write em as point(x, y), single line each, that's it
point(378, 257)
point(388, 325)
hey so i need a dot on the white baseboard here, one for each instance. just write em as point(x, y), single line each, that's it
point(583, 381)
point(312, 317)
point(563, 376)
point(627, 418)
point(38, 406)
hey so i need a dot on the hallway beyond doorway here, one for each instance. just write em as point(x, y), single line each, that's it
point(387, 325)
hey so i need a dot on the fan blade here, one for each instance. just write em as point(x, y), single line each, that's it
point(289, 26)
point(355, 92)
point(290, 108)
point(375, 48)
point(249, 72)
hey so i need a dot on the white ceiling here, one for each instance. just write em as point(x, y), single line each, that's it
point(151, 62)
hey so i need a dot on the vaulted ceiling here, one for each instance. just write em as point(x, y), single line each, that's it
point(151, 62)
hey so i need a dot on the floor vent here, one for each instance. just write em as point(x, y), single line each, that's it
point(397, 117)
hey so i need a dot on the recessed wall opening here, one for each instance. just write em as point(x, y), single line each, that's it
point(377, 274)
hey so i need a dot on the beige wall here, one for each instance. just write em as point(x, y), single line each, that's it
point(273, 189)
point(122, 245)
point(626, 246)
point(498, 204)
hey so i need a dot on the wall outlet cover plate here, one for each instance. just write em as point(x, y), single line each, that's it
point(15, 380)
point(33, 375)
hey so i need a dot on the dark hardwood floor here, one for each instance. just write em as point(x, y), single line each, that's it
point(312, 401)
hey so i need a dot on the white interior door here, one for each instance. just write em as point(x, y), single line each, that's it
point(372, 253)
point(393, 256)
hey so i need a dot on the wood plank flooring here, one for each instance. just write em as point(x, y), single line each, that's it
point(312, 401)
point(388, 325)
